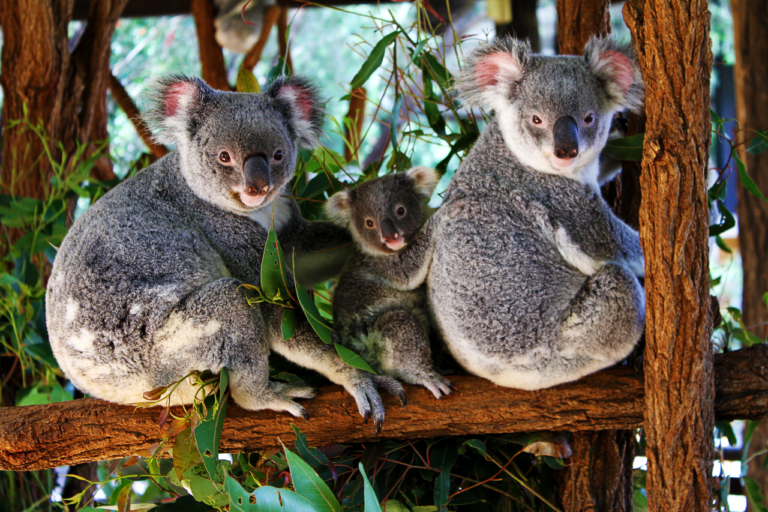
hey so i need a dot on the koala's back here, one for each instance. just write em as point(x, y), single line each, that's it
point(122, 269)
point(497, 286)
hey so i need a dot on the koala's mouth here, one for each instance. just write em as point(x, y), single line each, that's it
point(248, 202)
point(395, 245)
point(563, 163)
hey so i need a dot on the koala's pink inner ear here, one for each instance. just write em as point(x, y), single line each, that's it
point(495, 68)
point(300, 97)
point(176, 96)
point(619, 68)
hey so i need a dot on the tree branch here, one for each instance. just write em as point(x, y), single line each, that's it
point(254, 54)
point(126, 103)
point(46, 436)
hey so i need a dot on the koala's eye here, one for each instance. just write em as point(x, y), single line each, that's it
point(370, 223)
point(589, 119)
point(536, 120)
point(400, 211)
point(278, 155)
point(224, 157)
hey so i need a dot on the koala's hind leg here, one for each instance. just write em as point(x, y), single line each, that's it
point(605, 319)
point(214, 327)
point(405, 353)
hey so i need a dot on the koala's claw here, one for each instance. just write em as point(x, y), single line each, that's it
point(379, 425)
point(305, 414)
point(437, 384)
point(403, 399)
point(366, 417)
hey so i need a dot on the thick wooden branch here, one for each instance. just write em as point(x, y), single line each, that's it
point(254, 54)
point(46, 436)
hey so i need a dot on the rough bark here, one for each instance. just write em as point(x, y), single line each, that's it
point(45, 436)
point(282, 38)
point(750, 20)
point(214, 71)
point(121, 97)
point(672, 40)
point(578, 21)
point(254, 54)
point(524, 24)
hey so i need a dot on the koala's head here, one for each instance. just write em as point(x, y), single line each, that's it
point(383, 214)
point(555, 113)
point(237, 150)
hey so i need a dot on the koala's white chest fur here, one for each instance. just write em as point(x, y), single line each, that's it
point(281, 214)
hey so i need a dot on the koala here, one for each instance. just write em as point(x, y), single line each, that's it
point(379, 305)
point(533, 280)
point(609, 166)
point(146, 286)
point(239, 22)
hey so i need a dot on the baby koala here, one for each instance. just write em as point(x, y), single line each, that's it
point(379, 306)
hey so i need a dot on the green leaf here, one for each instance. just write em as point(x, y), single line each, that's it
point(463, 142)
point(745, 180)
point(309, 485)
point(41, 394)
point(765, 299)
point(280, 68)
point(183, 504)
point(726, 221)
point(313, 458)
point(288, 323)
point(435, 119)
point(274, 275)
point(754, 495)
point(268, 499)
point(322, 329)
point(723, 247)
point(554, 462)
point(208, 433)
point(394, 121)
point(428, 508)
point(352, 359)
point(185, 453)
point(416, 53)
point(727, 431)
point(759, 144)
point(443, 457)
point(43, 353)
point(246, 82)
point(478, 446)
point(371, 501)
point(203, 489)
point(374, 60)
point(627, 148)
point(439, 72)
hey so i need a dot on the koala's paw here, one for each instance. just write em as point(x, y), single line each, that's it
point(436, 383)
point(293, 389)
point(362, 387)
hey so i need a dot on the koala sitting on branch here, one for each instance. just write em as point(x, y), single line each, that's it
point(534, 281)
point(146, 286)
point(379, 305)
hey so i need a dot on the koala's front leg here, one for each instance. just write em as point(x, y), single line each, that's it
point(308, 350)
point(214, 327)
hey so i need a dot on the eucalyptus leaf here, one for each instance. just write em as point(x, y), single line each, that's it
point(208, 433)
point(185, 453)
point(353, 359)
point(274, 275)
point(627, 148)
point(371, 501)
point(374, 60)
point(745, 180)
point(310, 486)
point(315, 458)
point(246, 81)
point(288, 323)
point(314, 317)
point(759, 144)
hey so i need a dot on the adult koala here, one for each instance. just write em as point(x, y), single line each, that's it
point(534, 281)
point(146, 286)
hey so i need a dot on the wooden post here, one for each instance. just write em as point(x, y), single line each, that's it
point(750, 20)
point(674, 52)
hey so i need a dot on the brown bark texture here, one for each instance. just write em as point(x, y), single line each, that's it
point(254, 54)
point(750, 20)
point(121, 97)
point(65, 91)
point(672, 41)
point(282, 38)
point(578, 21)
point(354, 130)
point(46, 436)
point(214, 70)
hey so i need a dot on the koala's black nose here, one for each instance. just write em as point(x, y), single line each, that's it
point(256, 171)
point(566, 133)
point(389, 231)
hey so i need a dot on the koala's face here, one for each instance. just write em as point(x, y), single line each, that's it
point(555, 113)
point(384, 214)
point(238, 150)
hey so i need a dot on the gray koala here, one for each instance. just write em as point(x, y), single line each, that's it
point(377, 308)
point(146, 287)
point(534, 281)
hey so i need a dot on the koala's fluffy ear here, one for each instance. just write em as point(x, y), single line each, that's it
point(339, 208)
point(304, 106)
point(172, 102)
point(491, 71)
point(425, 179)
point(615, 65)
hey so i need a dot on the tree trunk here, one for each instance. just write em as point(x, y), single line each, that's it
point(599, 475)
point(524, 24)
point(578, 21)
point(214, 71)
point(750, 20)
point(673, 46)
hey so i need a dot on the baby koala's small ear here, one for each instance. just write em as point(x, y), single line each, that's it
point(425, 179)
point(339, 208)
point(305, 105)
point(172, 102)
point(491, 71)
point(615, 66)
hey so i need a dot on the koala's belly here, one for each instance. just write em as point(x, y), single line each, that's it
point(498, 294)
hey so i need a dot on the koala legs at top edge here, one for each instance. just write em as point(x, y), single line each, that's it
point(405, 352)
point(234, 338)
point(606, 317)
point(309, 351)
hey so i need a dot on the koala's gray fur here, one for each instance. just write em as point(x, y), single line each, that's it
point(533, 280)
point(379, 304)
point(146, 285)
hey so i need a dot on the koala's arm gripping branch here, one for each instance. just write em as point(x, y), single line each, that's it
point(47, 436)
